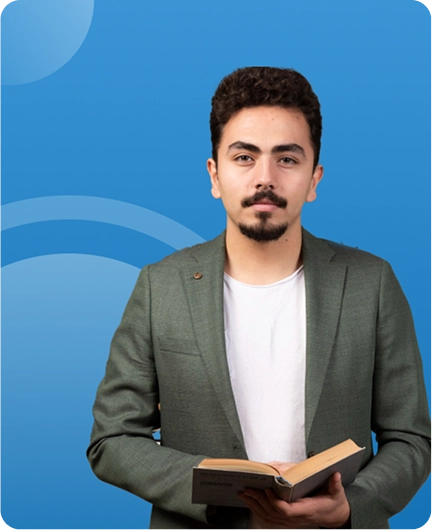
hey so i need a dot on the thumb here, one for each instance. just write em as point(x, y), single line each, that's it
point(335, 484)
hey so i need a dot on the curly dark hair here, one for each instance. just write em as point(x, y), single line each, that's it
point(256, 86)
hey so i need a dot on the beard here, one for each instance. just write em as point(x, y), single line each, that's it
point(264, 231)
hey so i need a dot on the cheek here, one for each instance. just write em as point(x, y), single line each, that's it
point(301, 191)
point(230, 193)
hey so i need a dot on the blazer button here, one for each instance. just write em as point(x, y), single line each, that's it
point(311, 453)
point(197, 276)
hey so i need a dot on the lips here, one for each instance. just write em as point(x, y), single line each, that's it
point(264, 206)
point(264, 201)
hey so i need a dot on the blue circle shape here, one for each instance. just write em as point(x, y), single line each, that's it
point(38, 38)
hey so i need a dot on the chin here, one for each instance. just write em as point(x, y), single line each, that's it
point(262, 232)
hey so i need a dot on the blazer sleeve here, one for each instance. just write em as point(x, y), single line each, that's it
point(122, 450)
point(400, 416)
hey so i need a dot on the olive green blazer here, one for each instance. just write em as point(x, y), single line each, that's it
point(363, 375)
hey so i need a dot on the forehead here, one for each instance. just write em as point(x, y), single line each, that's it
point(267, 125)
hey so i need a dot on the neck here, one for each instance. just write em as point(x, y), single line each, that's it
point(262, 263)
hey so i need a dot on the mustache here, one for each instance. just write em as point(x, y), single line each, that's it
point(265, 194)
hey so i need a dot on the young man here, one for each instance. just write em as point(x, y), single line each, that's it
point(265, 343)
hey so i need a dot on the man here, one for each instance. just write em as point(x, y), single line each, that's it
point(265, 343)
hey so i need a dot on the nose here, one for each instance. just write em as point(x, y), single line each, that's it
point(265, 176)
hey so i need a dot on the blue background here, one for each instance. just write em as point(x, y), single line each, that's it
point(107, 103)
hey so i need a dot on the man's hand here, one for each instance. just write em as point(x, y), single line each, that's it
point(329, 509)
point(281, 466)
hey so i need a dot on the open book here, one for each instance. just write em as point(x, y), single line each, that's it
point(217, 481)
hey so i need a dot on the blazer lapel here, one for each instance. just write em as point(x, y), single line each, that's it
point(203, 282)
point(324, 282)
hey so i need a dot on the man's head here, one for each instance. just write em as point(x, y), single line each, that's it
point(257, 86)
point(266, 128)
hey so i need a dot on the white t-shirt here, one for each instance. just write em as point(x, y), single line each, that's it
point(265, 335)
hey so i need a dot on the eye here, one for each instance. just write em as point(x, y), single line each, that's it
point(287, 160)
point(243, 158)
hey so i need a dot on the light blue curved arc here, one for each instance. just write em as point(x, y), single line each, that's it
point(98, 209)
point(41, 37)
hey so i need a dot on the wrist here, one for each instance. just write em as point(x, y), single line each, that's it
point(347, 523)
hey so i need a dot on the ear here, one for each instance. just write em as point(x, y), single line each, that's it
point(212, 170)
point(317, 175)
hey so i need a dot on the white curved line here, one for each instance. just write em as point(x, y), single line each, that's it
point(98, 209)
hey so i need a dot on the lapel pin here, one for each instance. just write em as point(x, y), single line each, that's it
point(197, 276)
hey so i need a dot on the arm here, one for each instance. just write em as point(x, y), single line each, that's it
point(122, 451)
point(400, 416)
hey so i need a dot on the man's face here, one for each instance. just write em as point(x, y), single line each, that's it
point(264, 172)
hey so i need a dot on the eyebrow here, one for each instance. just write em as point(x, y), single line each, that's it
point(284, 148)
point(292, 148)
point(244, 145)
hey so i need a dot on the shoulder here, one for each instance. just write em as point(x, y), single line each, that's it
point(365, 275)
point(324, 249)
point(353, 255)
point(169, 265)
point(362, 270)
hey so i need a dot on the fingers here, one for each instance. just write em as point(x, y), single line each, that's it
point(335, 486)
point(263, 503)
point(267, 502)
point(340, 508)
point(281, 466)
point(255, 506)
point(329, 510)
